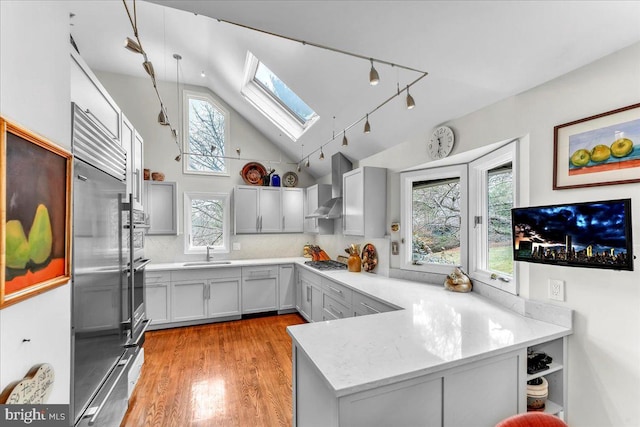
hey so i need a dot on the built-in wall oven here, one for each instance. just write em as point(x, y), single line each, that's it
point(137, 226)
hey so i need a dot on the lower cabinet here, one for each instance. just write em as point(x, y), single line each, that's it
point(309, 295)
point(177, 297)
point(286, 288)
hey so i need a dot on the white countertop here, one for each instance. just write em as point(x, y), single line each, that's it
point(231, 263)
point(436, 330)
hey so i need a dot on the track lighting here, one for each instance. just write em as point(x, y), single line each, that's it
point(344, 139)
point(133, 45)
point(202, 74)
point(307, 163)
point(299, 167)
point(374, 78)
point(321, 154)
point(367, 126)
point(410, 102)
point(162, 118)
point(148, 67)
point(178, 158)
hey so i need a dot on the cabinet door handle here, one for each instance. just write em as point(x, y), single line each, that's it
point(137, 187)
point(260, 222)
point(283, 222)
point(369, 307)
point(335, 311)
point(308, 293)
point(338, 291)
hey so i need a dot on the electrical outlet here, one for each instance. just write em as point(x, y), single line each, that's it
point(556, 289)
point(236, 246)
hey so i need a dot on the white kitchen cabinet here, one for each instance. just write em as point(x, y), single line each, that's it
point(92, 98)
point(189, 300)
point(132, 143)
point(161, 206)
point(259, 289)
point(224, 297)
point(364, 203)
point(364, 305)
point(138, 178)
point(309, 295)
point(286, 287)
point(292, 210)
point(268, 210)
point(315, 196)
point(157, 296)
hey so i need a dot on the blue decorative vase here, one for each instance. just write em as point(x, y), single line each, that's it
point(275, 180)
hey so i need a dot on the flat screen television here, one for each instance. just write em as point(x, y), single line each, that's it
point(589, 234)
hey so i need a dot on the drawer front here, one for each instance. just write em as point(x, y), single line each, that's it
point(337, 291)
point(363, 305)
point(259, 272)
point(335, 308)
point(207, 273)
point(155, 277)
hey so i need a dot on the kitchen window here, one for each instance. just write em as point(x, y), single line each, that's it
point(435, 205)
point(461, 216)
point(206, 135)
point(207, 221)
point(275, 100)
point(492, 195)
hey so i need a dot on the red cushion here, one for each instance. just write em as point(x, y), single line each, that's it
point(532, 419)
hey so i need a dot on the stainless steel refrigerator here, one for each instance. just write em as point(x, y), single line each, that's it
point(102, 349)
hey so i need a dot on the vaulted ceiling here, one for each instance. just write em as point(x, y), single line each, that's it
point(476, 53)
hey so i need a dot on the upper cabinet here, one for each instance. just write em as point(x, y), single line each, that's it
point(292, 210)
point(161, 206)
point(315, 196)
point(268, 209)
point(364, 203)
point(92, 97)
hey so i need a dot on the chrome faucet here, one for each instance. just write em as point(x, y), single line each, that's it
point(209, 254)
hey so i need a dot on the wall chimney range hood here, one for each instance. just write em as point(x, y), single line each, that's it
point(332, 208)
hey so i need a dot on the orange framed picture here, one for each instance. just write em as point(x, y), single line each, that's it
point(35, 214)
point(598, 150)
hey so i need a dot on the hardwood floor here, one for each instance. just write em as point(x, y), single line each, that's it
point(224, 374)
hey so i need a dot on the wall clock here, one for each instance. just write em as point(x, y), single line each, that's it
point(441, 142)
point(290, 179)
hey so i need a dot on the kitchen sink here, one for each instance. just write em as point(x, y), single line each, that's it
point(204, 263)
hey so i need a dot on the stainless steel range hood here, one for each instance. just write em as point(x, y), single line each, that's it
point(333, 208)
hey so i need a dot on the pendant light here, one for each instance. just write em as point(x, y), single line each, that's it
point(321, 154)
point(367, 126)
point(162, 117)
point(344, 138)
point(307, 163)
point(410, 102)
point(374, 77)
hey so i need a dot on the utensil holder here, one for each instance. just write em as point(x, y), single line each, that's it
point(354, 263)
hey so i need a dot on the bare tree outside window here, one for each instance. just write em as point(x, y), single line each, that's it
point(207, 219)
point(206, 137)
point(436, 222)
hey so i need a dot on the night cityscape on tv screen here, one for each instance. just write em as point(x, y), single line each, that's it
point(594, 234)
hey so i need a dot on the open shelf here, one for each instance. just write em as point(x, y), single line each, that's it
point(553, 367)
point(551, 407)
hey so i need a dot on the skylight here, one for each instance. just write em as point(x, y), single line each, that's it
point(275, 100)
point(279, 90)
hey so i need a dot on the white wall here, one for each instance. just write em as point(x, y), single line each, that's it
point(139, 103)
point(604, 372)
point(34, 92)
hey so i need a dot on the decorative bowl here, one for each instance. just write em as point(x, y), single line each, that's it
point(157, 176)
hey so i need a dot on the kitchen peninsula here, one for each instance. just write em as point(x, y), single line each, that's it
point(444, 358)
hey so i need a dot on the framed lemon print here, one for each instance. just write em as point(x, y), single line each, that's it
point(35, 211)
point(598, 150)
